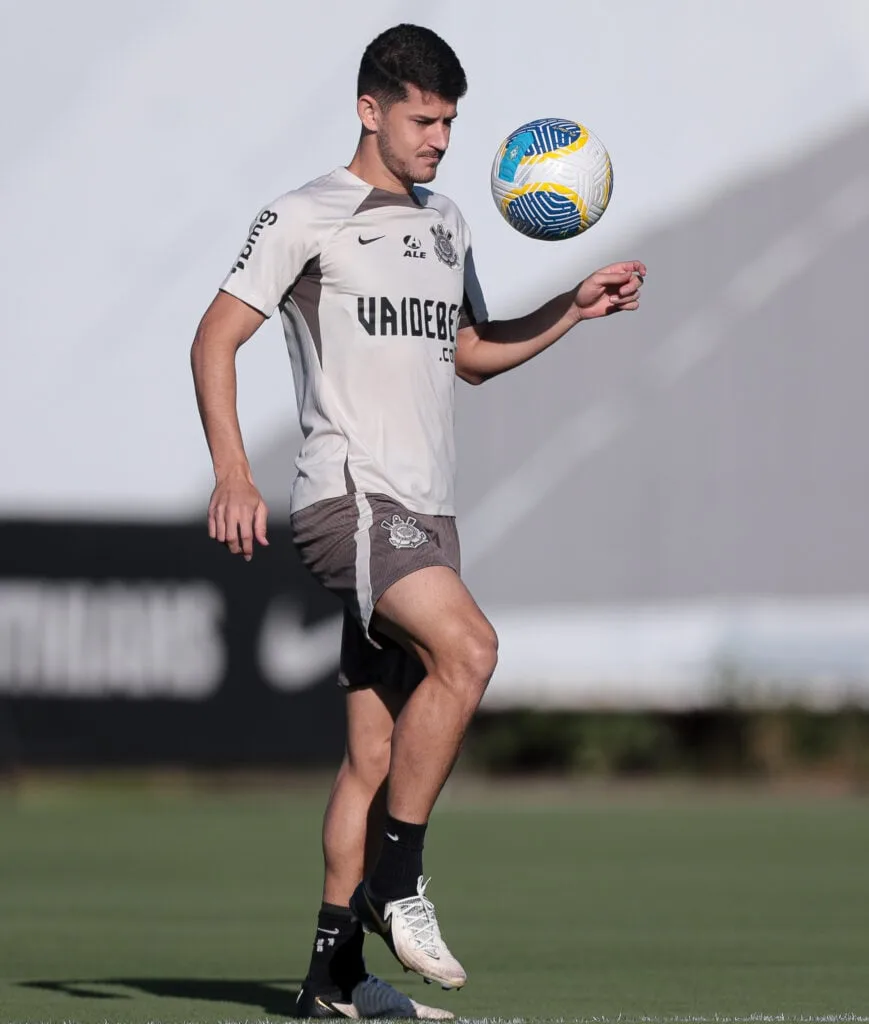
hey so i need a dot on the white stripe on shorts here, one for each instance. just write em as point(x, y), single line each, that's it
point(363, 559)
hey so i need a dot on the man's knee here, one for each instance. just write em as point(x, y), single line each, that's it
point(368, 763)
point(481, 653)
point(469, 658)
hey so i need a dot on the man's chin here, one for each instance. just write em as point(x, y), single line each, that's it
point(423, 175)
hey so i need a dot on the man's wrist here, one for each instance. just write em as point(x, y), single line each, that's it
point(232, 471)
point(573, 316)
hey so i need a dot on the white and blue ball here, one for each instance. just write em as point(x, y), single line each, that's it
point(552, 179)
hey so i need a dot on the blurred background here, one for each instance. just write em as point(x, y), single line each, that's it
point(664, 516)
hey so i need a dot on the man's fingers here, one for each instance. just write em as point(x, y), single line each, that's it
point(245, 533)
point(241, 527)
point(237, 518)
point(231, 538)
point(612, 277)
point(628, 267)
point(618, 304)
point(220, 524)
point(619, 273)
point(260, 519)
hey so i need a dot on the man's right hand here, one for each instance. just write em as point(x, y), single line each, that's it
point(237, 515)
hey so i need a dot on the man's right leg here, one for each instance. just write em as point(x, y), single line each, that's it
point(353, 822)
point(433, 615)
point(337, 965)
point(337, 982)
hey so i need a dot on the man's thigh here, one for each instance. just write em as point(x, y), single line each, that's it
point(432, 613)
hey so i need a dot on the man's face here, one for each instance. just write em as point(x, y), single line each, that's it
point(413, 135)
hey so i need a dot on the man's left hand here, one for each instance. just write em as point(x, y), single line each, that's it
point(610, 290)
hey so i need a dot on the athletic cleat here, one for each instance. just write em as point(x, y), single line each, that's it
point(372, 997)
point(333, 1004)
point(410, 928)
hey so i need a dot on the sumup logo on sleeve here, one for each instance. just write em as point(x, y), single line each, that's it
point(404, 533)
point(265, 219)
point(444, 248)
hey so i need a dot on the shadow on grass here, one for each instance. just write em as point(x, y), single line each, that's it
point(271, 996)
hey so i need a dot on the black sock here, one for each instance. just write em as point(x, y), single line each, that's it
point(336, 959)
point(400, 863)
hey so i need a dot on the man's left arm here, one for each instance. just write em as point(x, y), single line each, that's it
point(486, 349)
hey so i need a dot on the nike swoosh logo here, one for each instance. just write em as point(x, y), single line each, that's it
point(368, 241)
point(329, 931)
point(389, 835)
point(342, 1009)
point(382, 926)
point(292, 656)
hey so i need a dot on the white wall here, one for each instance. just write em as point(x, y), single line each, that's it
point(142, 136)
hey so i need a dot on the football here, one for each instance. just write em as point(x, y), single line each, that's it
point(552, 179)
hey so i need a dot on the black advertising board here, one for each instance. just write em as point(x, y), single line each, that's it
point(135, 644)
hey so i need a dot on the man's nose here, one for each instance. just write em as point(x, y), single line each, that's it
point(439, 137)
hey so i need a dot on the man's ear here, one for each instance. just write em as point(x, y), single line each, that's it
point(370, 112)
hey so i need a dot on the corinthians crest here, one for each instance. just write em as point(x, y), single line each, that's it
point(444, 248)
point(404, 533)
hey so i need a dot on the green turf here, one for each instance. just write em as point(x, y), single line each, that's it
point(133, 904)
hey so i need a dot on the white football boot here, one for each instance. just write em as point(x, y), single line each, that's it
point(410, 928)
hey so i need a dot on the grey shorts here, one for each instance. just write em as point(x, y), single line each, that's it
point(357, 546)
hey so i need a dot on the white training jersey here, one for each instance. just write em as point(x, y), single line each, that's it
point(372, 287)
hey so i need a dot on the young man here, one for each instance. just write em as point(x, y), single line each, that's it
point(375, 284)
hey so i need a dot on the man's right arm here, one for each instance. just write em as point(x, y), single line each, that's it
point(237, 513)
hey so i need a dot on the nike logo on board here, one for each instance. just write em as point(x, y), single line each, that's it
point(293, 656)
point(368, 241)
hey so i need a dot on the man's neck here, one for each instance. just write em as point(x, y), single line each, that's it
point(371, 169)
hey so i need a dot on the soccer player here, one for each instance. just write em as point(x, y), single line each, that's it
point(374, 280)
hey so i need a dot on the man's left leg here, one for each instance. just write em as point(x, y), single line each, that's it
point(337, 983)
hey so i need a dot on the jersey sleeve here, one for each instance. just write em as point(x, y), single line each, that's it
point(473, 310)
point(276, 250)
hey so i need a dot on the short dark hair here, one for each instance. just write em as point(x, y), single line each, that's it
point(410, 55)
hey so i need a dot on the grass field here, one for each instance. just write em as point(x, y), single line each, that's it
point(137, 903)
